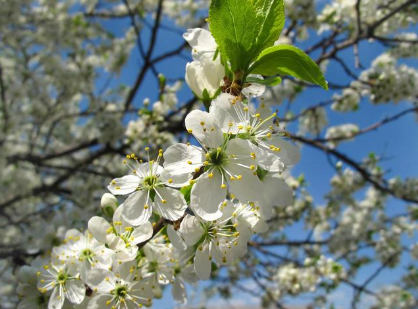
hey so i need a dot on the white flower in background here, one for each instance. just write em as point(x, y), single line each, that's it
point(30, 296)
point(348, 101)
point(344, 132)
point(183, 272)
point(233, 116)
point(205, 77)
point(85, 250)
point(149, 189)
point(64, 282)
point(202, 42)
point(224, 162)
point(118, 289)
point(121, 236)
point(313, 121)
point(156, 266)
point(216, 239)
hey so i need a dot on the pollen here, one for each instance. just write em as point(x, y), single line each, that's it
point(239, 177)
point(146, 206)
point(163, 201)
point(253, 155)
point(189, 162)
point(252, 167)
point(223, 186)
point(190, 131)
point(202, 123)
point(170, 180)
point(210, 175)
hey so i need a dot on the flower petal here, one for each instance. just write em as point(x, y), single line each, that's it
point(125, 185)
point(56, 301)
point(207, 195)
point(101, 279)
point(175, 238)
point(76, 291)
point(191, 230)
point(204, 128)
point(289, 153)
point(202, 263)
point(136, 211)
point(142, 233)
point(169, 203)
point(179, 291)
point(98, 228)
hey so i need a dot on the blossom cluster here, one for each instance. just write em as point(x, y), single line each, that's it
point(194, 205)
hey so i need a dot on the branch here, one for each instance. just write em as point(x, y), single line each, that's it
point(363, 172)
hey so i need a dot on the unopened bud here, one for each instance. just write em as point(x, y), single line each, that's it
point(109, 203)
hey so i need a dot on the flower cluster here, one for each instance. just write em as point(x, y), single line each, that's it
point(293, 280)
point(385, 81)
point(194, 205)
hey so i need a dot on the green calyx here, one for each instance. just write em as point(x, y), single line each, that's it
point(120, 291)
point(150, 181)
point(86, 254)
point(217, 157)
point(62, 277)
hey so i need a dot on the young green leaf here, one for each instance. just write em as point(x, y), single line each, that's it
point(270, 22)
point(233, 25)
point(288, 60)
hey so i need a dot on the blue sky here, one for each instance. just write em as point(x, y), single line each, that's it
point(397, 142)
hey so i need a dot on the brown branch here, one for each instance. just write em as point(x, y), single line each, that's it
point(147, 61)
point(363, 172)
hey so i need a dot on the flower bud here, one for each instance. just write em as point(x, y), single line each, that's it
point(109, 203)
point(204, 78)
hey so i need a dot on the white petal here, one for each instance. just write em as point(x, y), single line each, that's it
point(56, 300)
point(171, 205)
point(191, 230)
point(125, 185)
point(261, 227)
point(225, 121)
point(207, 195)
point(142, 290)
point(188, 274)
point(254, 90)
point(276, 191)
point(177, 165)
point(101, 279)
point(202, 264)
point(202, 42)
point(289, 153)
point(142, 233)
point(98, 228)
point(175, 238)
point(75, 291)
point(179, 291)
point(204, 128)
point(99, 301)
point(270, 161)
point(137, 208)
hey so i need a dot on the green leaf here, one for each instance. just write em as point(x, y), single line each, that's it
point(233, 25)
point(288, 60)
point(270, 22)
point(271, 81)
